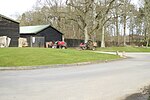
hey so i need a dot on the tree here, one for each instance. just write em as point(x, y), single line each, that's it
point(80, 11)
point(89, 19)
point(35, 17)
point(52, 9)
point(84, 12)
point(116, 20)
point(147, 20)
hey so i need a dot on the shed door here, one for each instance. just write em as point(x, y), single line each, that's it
point(37, 41)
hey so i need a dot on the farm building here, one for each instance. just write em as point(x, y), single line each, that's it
point(37, 36)
point(9, 28)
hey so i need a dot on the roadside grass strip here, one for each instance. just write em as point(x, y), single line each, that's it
point(12, 57)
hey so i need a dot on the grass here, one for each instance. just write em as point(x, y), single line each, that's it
point(43, 56)
point(126, 49)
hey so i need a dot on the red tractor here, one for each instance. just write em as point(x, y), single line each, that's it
point(60, 44)
point(90, 45)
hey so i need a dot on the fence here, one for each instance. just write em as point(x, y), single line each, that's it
point(73, 42)
point(76, 43)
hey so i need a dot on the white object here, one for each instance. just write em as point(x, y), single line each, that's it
point(4, 41)
point(33, 39)
point(23, 42)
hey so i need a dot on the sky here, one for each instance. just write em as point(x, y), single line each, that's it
point(10, 8)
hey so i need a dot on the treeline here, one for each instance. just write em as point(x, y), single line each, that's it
point(117, 21)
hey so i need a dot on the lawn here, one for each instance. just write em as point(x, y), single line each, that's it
point(126, 49)
point(43, 56)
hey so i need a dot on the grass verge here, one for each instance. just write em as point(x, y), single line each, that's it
point(126, 49)
point(42, 56)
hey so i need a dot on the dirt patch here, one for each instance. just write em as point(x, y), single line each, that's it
point(137, 96)
point(143, 95)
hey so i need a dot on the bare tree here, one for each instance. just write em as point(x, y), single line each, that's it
point(105, 17)
point(147, 20)
point(80, 12)
point(89, 19)
point(84, 12)
point(52, 10)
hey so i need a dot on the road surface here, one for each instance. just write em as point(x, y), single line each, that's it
point(104, 81)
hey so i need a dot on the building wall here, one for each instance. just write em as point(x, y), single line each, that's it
point(73, 42)
point(28, 37)
point(11, 29)
point(50, 34)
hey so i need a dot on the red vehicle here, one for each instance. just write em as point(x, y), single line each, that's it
point(90, 45)
point(83, 46)
point(60, 44)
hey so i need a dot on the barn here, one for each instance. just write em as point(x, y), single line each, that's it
point(9, 28)
point(38, 35)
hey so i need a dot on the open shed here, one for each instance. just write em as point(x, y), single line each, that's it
point(9, 28)
point(37, 36)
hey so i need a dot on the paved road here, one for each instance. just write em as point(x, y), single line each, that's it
point(105, 81)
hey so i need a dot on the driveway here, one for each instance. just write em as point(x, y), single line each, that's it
point(104, 81)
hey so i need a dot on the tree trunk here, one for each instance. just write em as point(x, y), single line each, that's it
point(124, 22)
point(132, 36)
point(116, 23)
point(148, 37)
point(124, 31)
point(86, 35)
point(147, 43)
point(103, 37)
point(117, 30)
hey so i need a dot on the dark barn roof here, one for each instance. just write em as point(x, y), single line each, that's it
point(2, 16)
point(35, 29)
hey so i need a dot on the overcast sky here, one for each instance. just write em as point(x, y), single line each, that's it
point(12, 7)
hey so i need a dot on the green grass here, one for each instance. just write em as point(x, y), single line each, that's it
point(43, 56)
point(126, 49)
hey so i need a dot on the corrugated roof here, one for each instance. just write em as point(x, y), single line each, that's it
point(32, 29)
point(8, 18)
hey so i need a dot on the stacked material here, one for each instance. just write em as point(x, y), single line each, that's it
point(23, 42)
point(4, 41)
